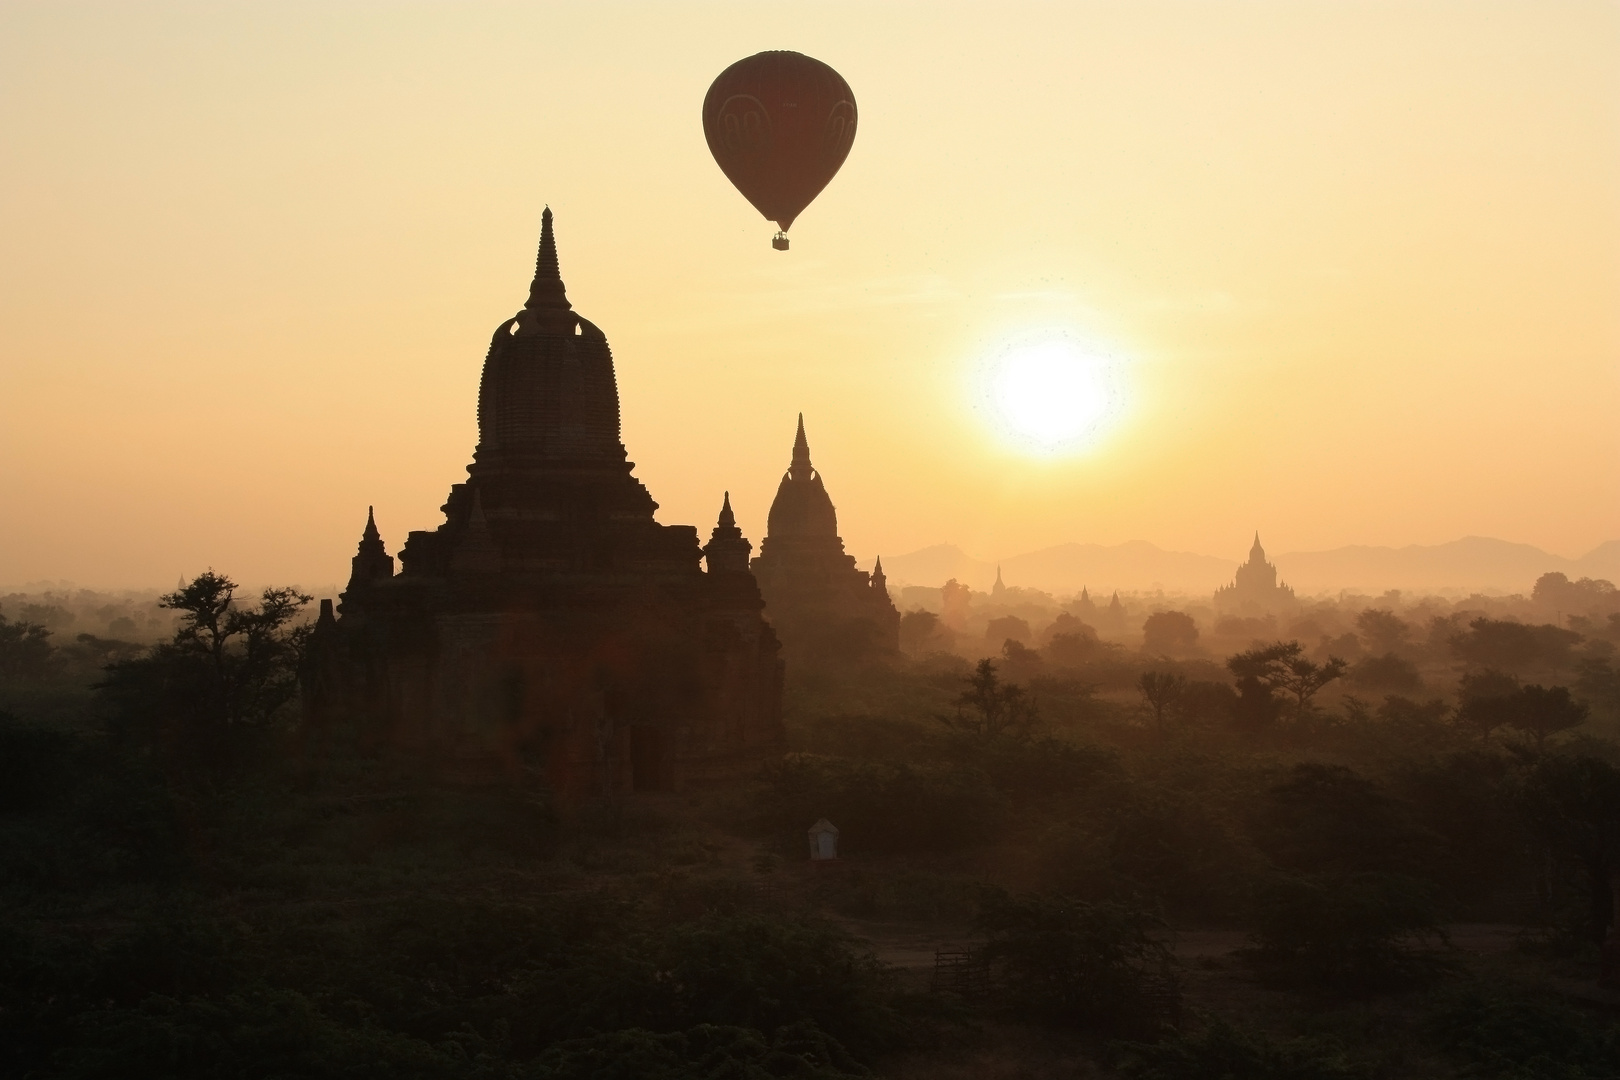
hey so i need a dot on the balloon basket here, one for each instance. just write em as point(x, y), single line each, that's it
point(780, 241)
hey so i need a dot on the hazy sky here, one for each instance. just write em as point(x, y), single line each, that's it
point(1358, 267)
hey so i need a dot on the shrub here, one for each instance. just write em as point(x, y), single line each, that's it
point(1075, 964)
point(34, 761)
point(1351, 932)
point(1527, 1038)
point(256, 1033)
point(1572, 804)
point(738, 970)
point(1221, 1051)
point(1328, 819)
point(700, 1053)
point(1169, 633)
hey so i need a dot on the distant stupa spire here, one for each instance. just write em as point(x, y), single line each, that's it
point(371, 532)
point(728, 520)
point(547, 291)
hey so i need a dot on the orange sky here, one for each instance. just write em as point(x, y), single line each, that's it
point(1359, 263)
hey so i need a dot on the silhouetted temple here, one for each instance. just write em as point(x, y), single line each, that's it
point(550, 621)
point(821, 605)
point(1255, 589)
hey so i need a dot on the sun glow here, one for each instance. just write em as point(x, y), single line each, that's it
point(1051, 396)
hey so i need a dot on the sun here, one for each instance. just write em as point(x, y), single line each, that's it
point(1051, 396)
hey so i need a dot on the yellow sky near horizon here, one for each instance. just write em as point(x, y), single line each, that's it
point(1359, 263)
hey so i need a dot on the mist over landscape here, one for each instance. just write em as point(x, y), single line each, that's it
point(1472, 564)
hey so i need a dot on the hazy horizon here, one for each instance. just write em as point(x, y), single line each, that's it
point(1483, 564)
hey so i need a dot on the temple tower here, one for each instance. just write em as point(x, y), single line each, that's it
point(824, 609)
point(550, 622)
point(1255, 589)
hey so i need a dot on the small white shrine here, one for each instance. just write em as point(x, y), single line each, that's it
point(823, 840)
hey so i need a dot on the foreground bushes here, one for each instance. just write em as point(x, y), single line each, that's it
point(1222, 1051)
point(1351, 932)
point(447, 989)
point(1073, 964)
point(1523, 1036)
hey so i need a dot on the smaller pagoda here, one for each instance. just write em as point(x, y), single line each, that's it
point(824, 610)
point(1255, 590)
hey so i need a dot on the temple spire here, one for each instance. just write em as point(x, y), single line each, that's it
point(727, 549)
point(801, 467)
point(1257, 554)
point(547, 290)
point(371, 559)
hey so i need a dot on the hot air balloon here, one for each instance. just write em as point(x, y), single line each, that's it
point(779, 125)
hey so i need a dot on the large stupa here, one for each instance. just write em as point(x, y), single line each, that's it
point(550, 622)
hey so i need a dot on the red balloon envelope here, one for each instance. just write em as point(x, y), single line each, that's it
point(779, 125)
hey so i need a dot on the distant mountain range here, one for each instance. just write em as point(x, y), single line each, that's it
point(1474, 562)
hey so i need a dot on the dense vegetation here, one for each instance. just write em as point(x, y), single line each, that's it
point(188, 890)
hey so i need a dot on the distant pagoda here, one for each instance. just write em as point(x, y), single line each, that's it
point(550, 622)
point(1255, 590)
point(824, 609)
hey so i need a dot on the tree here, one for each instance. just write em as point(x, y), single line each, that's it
point(1071, 649)
point(920, 632)
point(1599, 682)
point(1493, 699)
point(1541, 712)
point(1161, 691)
point(1282, 667)
point(1075, 964)
point(1007, 627)
point(989, 708)
point(1486, 700)
point(1256, 706)
point(228, 667)
point(1555, 590)
point(1020, 658)
point(1328, 819)
point(1357, 932)
point(1169, 633)
point(1387, 672)
point(1573, 804)
point(1503, 645)
point(1066, 624)
point(1305, 678)
point(25, 650)
point(1386, 630)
